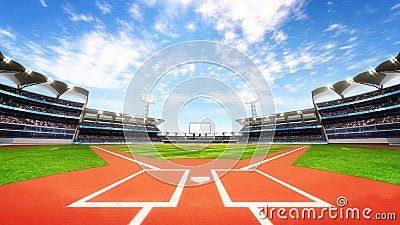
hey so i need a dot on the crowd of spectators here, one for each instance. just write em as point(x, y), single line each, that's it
point(27, 121)
point(40, 97)
point(119, 125)
point(280, 125)
point(291, 138)
point(360, 109)
point(361, 96)
point(40, 108)
point(364, 122)
point(114, 138)
point(300, 138)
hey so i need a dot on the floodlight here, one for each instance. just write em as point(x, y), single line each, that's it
point(148, 99)
point(393, 59)
point(100, 112)
point(252, 99)
point(299, 112)
point(372, 71)
point(248, 99)
point(28, 71)
point(7, 60)
point(70, 86)
point(282, 114)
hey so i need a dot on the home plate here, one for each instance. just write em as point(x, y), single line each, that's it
point(200, 180)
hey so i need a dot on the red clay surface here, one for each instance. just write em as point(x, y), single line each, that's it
point(45, 200)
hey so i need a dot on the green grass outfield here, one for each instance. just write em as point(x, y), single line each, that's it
point(25, 163)
point(18, 164)
point(381, 164)
point(201, 151)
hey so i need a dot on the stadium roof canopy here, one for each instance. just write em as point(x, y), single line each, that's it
point(284, 117)
point(378, 77)
point(23, 78)
point(114, 117)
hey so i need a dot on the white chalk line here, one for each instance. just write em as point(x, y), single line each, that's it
point(254, 206)
point(270, 159)
point(129, 159)
point(146, 206)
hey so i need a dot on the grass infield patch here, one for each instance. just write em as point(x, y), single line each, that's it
point(381, 164)
point(201, 151)
point(18, 164)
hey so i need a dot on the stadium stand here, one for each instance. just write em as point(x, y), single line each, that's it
point(32, 118)
point(24, 120)
point(216, 137)
point(287, 127)
point(100, 126)
point(372, 117)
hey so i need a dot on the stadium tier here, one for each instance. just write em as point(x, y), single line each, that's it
point(299, 126)
point(216, 137)
point(371, 117)
point(32, 118)
point(99, 126)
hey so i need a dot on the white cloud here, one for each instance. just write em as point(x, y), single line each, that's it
point(95, 59)
point(330, 46)
point(149, 3)
point(335, 26)
point(338, 29)
point(230, 35)
point(397, 6)
point(279, 37)
point(254, 18)
point(165, 28)
point(70, 10)
point(191, 27)
point(134, 11)
point(6, 34)
point(352, 39)
point(43, 3)
point(286, 103)
point(346, 47)
point(104, 7)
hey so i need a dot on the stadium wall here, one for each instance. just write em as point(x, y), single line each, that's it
point(33, 141)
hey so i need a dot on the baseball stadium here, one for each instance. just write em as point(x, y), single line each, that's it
point(65, 163)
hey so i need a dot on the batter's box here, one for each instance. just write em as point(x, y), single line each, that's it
point(139, 190)
point(255, 188)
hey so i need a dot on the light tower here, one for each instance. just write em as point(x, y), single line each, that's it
point(147, 99)
point(252, 100)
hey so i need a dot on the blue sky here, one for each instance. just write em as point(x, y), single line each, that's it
point(298, 45)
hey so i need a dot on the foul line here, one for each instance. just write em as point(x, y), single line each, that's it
point(229, 203)
point(142, 214)
point(173, 202)
point(146, 206)
point(129, 159)
point(254, 206)
point(270, 159)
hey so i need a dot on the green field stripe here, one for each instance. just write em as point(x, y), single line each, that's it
point(201, 151)
point(18, 164)
point(381, 164)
